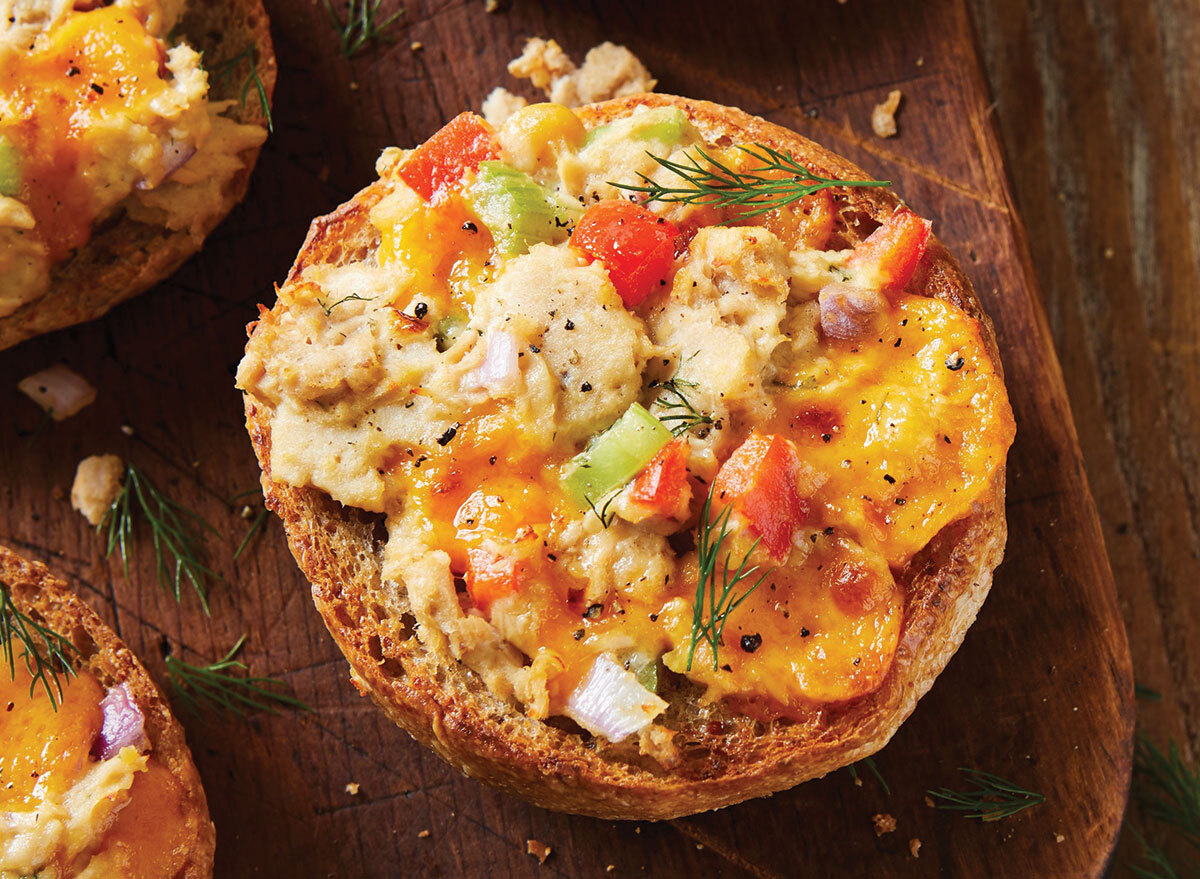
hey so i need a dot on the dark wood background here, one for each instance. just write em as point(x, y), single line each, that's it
point(1092, 103)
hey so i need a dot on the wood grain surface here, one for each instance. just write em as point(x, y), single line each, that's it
point(1041, 691)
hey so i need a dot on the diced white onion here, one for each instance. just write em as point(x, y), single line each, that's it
point(59, 390)
point(498, 373)
point(610, 702)
point(846, 310)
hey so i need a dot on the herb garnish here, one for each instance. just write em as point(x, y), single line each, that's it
point(602, 513)
point(360, 26)
point(173, 527)
point(218, 686)
point(680, 416)
point(714, 183)
point(1166, 790)
point(991, 799)
point(223, 71)
point(353, 297)
point(722, 604)
point(869, 763)
point(45, 664)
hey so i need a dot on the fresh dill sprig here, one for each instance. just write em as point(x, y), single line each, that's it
point(716, 587)
point(602, 513)
point(680, 415)
point(353, 297)
point(223, 71)
point(255, 526)
point(259, 519)
point(1167, 791)
point(716, 184)
point(360, 26)
point(991, 799)
point(46, 653)
point(869, 763)
point(173, 527)
point(219, 685)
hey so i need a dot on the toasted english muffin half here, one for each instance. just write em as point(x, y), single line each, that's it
point(724, 730)
point(133, 246)
point(162, 817)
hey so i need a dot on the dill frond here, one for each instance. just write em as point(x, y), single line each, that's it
point(223, 685)
point(46, 653)
point(753, 192)
point(223, 71)
point(991, 799)
point(360, 26)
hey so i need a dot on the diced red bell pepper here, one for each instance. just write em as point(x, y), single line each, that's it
point(761, 480)
point(490, 576)
point(457, 147)
point(662, 483)
point(636, 246)
point(895, 248)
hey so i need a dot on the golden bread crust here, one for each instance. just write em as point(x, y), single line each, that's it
point(125, 257)
point(35, 591)
point(726, 757)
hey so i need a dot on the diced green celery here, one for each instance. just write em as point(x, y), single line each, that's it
point(615, 456)
point(517, 211)
point(10, 171)
point(665, 125)
point(645, 669)
point(449, 329)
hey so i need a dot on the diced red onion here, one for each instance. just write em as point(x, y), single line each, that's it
point(175, 155)
point(124, 725)
point(59, 390)
point(610, 702)
point(498, 372)
point(847, 310)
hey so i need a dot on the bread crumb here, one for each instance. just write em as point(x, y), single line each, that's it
point(59, 390)
point(353, 86)
point(1058, 837)
point(127, 429)
point(491, 5)
point(610, 868)
point(424, 834)
point(97, 484)
point(608, 71)
point(417, 46)
point(914, 847)
point(1109, 253)
point(930, 803)
point(539, 850)
point(920, 60)
point(352, 788)
point(883, 117)
point(884, 823)
point(500, 104)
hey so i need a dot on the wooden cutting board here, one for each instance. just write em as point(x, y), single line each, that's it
point(1041, 692)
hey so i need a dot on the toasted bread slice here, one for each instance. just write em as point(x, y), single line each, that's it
point(39, 594)
point(727, 755)
point(125, 257)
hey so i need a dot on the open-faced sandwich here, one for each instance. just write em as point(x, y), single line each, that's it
point(126, 134)
point(643, 458)
point(96, 779)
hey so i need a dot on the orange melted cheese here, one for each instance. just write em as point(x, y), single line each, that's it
point(45, 752)
point(96, 64)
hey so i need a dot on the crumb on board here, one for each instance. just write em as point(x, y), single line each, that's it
point(127, 429)
point(500, 104)
point(884, 823)
point(608, 71)
point(352, 787)
point(914, 847)
point(539, 850)
point(417, 46)
point(491, 5)
point(920, 60)
point(97, 484)
point(424, 834)
point(59, 390)
point(883, 117)
point(610, 868)
point(1059, 838)
point(930, 803)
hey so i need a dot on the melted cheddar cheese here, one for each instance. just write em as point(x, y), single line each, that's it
point(65, 813)
point(451, 381)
